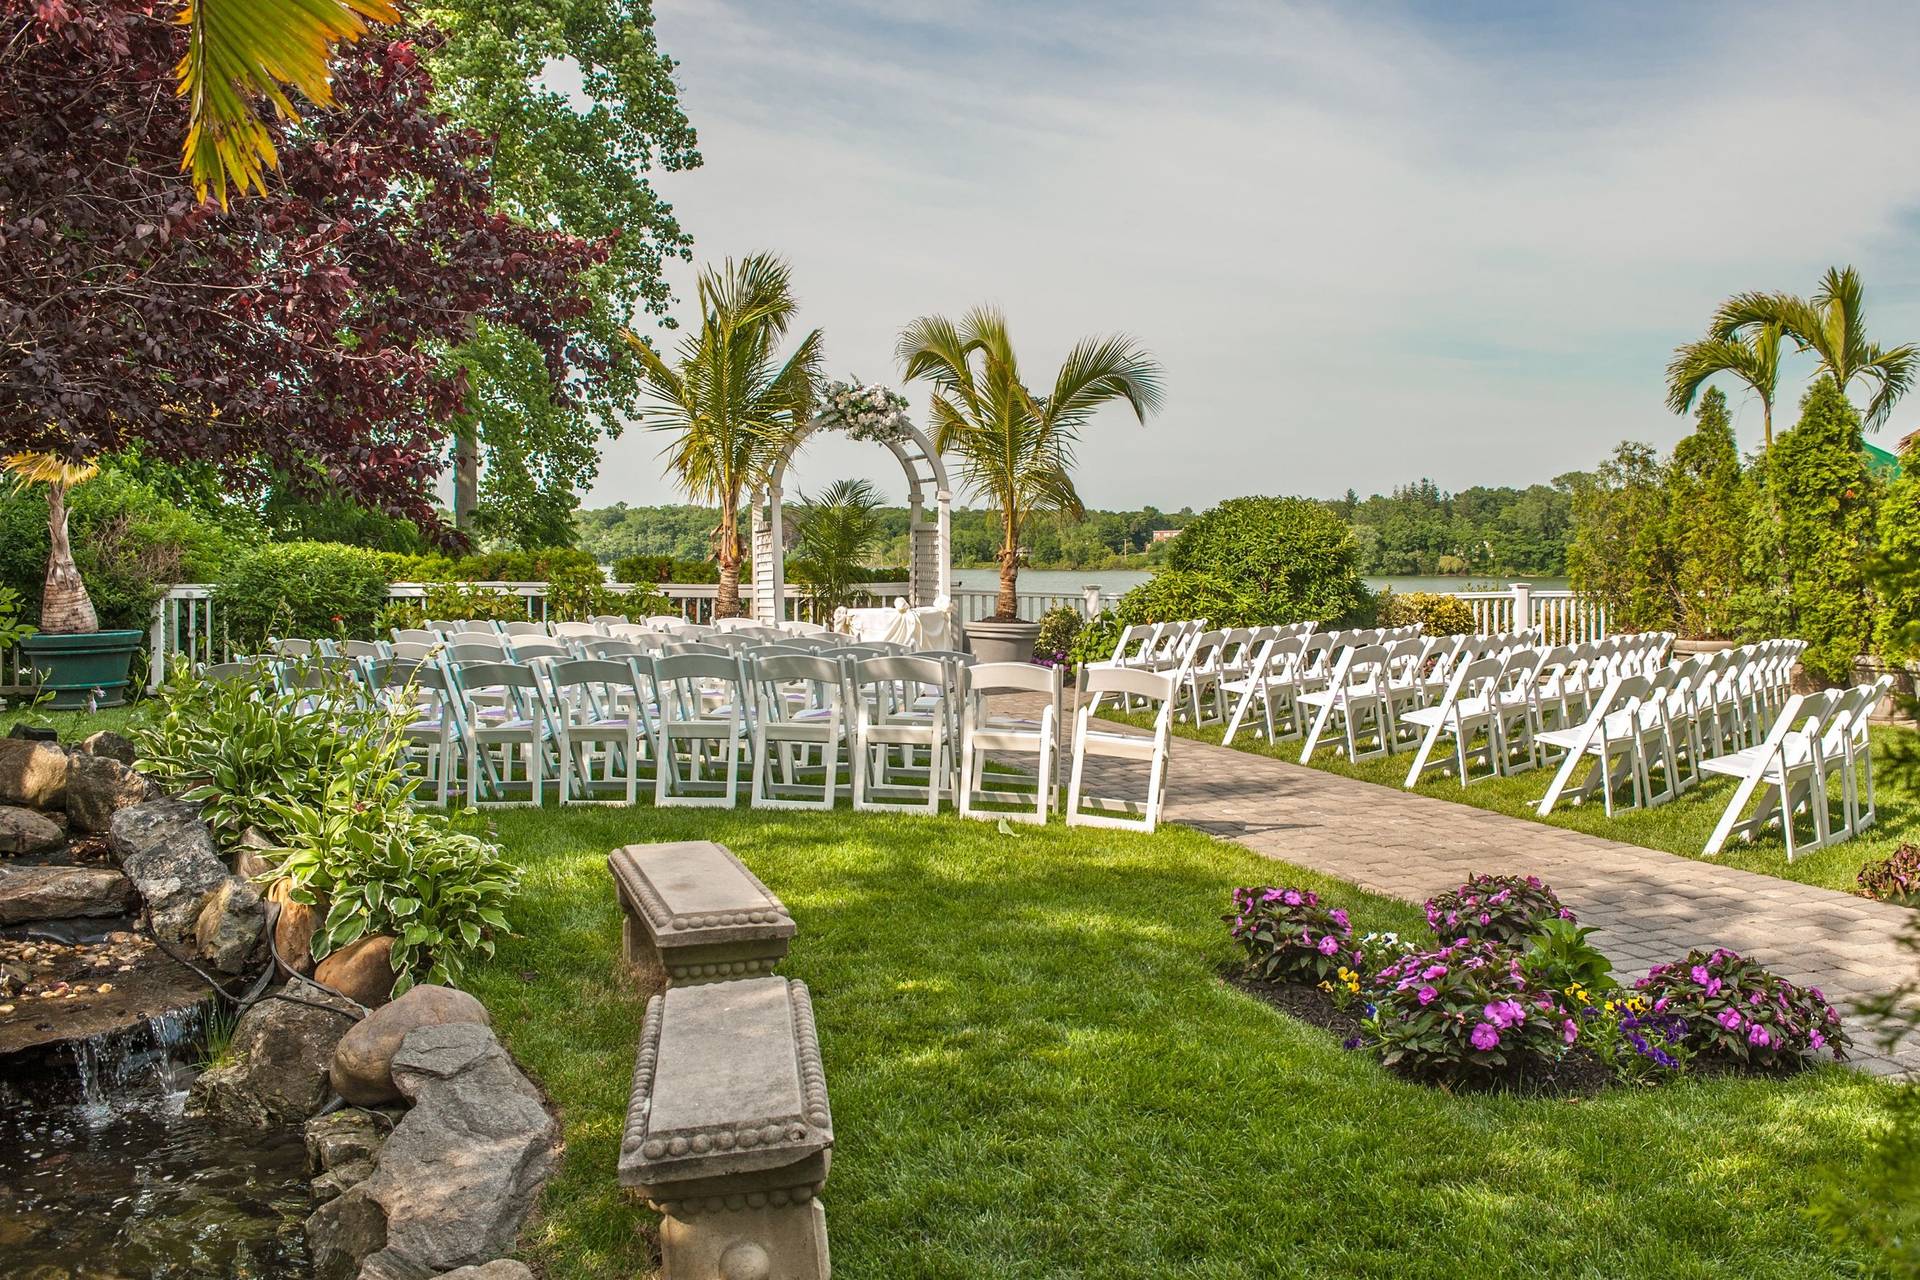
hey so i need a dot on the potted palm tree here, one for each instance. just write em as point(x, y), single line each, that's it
point(732, 403)
point(1016, 448)
point(73, 658)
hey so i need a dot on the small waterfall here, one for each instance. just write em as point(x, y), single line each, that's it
point(110, 1068)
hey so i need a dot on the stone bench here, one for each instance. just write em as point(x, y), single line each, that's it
point(728, 1133)
point(694, 913)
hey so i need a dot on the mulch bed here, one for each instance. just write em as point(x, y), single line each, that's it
point(1581, 1074)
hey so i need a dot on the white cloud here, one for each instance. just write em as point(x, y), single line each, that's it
point(1367, 247)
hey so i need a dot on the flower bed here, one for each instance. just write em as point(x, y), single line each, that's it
point(1509, 994)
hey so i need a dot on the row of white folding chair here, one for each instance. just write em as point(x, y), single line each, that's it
point(1814, 739)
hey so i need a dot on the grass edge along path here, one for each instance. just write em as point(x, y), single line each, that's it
point(1035, 1071)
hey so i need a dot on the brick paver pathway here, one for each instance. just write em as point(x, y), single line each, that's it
point(1648, 906)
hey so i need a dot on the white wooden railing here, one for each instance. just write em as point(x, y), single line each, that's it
point(184, 625)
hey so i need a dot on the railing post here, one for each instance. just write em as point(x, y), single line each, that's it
point(157, 645)
point(1090, 601)
point(1522, 605)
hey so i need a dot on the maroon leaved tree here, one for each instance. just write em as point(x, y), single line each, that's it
point(303, 331)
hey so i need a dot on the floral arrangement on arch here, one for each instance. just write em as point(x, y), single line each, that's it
point(864, 411)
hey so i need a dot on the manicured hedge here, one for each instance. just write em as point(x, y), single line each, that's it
point(300, 589)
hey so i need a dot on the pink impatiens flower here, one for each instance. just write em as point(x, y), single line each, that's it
point(1329, 944)
point(1426, 995)
point(1568, 1031)
point(1485, 1036)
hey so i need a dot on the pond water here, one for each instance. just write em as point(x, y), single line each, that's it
point(1065, 581)
point(104, 1177)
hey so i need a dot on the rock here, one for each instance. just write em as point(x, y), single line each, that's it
point(343, 1232)
point(33, 774)
point(339, 1180)
point(346, 1136)
point(99, 787)
point(359, 970)
point(282, 1049)
point(24, 831)
point(227, 934)
point(109, 745)
point(34, 732)
point(293, 931)
point(504, 1269)
point(362, 1065)
point(463, 1167)
point(28, 894)
point(169, 854)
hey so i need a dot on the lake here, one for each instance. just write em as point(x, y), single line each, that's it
point(1064, 581)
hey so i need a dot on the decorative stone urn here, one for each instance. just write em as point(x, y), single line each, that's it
point(1893, 704)
point(993, 640)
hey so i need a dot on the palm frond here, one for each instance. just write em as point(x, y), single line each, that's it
point(1694, 363)
point(46, 468)
point(238, 50)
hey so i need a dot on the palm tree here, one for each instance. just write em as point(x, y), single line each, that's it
point(1832, 325)
point(238, 50)
point(65, 609)
point(735, 405)
point(834, 535)
point(1754, 358)
point(1016, 448)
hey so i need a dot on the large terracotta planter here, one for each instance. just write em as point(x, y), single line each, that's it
point(73, 667)
point(1893, 704)
point(1688, 648)
point(996, 641)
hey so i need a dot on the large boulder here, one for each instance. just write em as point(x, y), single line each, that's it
point(360, 970)
point(33, 774)
point(169, 854)
point(228, 930)
point(293, 931)
point(504, 1269)
point(24, 831)
point(99, 787)
point(111, 745)
point(281, 1050)
point(350, 1135)
point(28, 894)
point(458, 1176)
point(362, 1065)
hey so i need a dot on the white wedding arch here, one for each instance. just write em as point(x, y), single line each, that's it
point(929, 514)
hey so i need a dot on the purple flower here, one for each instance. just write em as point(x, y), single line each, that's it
point(1700, 974)
point(1426, 995)
point(1504, 1013)
point(1714, 986)
point(1485, 1036)
point(1291, 897)
point(1730, 1019)
point(1815, 1039)
point(1569, 1031)
point(1434, 971)
point(1329, 944)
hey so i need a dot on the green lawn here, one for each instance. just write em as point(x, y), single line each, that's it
point(1036, 1072)
point(73, 725)
point(1680, 826)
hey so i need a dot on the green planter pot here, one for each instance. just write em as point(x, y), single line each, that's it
point(72, 667)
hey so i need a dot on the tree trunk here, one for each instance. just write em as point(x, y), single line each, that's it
point(1008, 605)
point(65, 609)
point(466, 472)
point(726, 602)
point(1766, 422)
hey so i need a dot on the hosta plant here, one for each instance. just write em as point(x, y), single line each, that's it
point(1738, 1012)
point(1289, 936)
point(1470, 1014)
point(1494, 909)
point(1558, 955)
point(1894, 878)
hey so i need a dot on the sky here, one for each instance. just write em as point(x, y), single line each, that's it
point(1367, 243)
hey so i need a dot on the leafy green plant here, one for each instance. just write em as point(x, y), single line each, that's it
point(300, 589)
point(1559, 956)
point(576, 593)
point(1288, 936)
point(1469, 1013)
point(1286, 559)
point(638, 569)
point(1059, 630)
point(834, 533)
point(1508, 909)
point(1894, 878)
point(1437, 614)
point(12, 629)
point(1740, 1013)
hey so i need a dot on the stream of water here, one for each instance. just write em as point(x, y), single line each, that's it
point(104, 1177)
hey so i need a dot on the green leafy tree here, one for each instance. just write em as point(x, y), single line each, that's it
point(1816, 478)
point(1706, 522)
point(732, 402)
point(834, 535)
point(1288, 559)
point(1896, 635)
point(1016, 448)
point(1832, 325)
point(1619, 552)
point(578, 162)
point(1752, 356)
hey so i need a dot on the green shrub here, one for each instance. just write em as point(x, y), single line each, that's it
point(12, 629)
point(575, 594)
point(638, 569)
point(1059, 630)
point(1285, 559)
point(1168, 596)
point(300, 589)
point(537, 565)
point(129, 543)
point(1494, 908)
point(1469, 1013)
point(1899, 543)
point(1437, 614)
point(1620, 552)
point(451, 601)
point(1288, 936)
point(1706, 523)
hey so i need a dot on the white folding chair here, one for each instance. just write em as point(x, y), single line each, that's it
point(1787, 769)
point(505, 719)
point(1356, 697)
point(600, 712)
point(703, 708)
point(1157, 690)
point(800, 712)
point(901, 706)
point(1465, 711)
point(983, 731)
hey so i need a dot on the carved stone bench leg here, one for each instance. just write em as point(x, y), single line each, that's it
point(771, 1242)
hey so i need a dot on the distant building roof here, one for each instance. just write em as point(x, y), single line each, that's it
point(1161, 535)
point(1880, 462)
